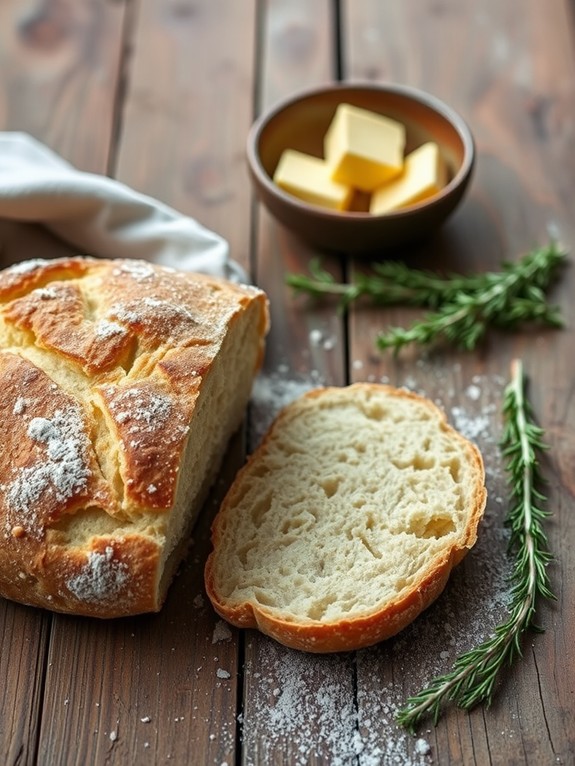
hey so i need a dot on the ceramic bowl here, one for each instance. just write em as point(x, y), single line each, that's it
point(300, 122)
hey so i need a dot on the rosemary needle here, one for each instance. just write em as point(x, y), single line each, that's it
point(475, 673)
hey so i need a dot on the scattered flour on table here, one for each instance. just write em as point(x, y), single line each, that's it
point(473, 392)
point(303, 709)
point(221, 632)
point(20, 406)
point(198, 601)
point(422, 746)
point(320, 339)
point(315, 337)
point(473, 426)
point(273, 392)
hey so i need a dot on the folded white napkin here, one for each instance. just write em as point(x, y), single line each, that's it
point(100, 216)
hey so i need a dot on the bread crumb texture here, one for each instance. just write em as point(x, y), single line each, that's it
point(110, 373)
point(345, 523)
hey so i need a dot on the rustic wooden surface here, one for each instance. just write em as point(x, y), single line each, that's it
point(161, 93)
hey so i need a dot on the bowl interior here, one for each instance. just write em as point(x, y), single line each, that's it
point(301, 124)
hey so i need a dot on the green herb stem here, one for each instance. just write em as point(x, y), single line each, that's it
point(475, 673)
point(462, 308)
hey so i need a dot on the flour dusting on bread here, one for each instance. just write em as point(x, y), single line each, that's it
point(100, 579)
point(59, 466)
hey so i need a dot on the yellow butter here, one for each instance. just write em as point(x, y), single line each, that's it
point(309, 178)
point(363, 149)
point(424, 174)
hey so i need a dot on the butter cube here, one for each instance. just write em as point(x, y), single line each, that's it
point(309, 178)
point(424, 174)
point(364, 149)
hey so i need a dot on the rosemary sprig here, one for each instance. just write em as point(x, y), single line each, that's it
point(389, 284)
point(463, 308)
point(514, 296)
point(475, 673)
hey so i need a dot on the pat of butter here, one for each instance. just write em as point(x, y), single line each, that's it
point(364, 149)
point(309, 178)
point(424, 174)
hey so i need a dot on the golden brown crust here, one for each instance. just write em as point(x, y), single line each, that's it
point(139, 412)
point(367, 629)
point(345, 635)
point(102, 364)
point(113, 576)
point(39, 418)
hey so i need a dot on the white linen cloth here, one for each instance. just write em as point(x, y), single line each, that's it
point(101, 216)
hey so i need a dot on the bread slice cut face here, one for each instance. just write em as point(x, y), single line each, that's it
point(345, 523)
point(120, 386)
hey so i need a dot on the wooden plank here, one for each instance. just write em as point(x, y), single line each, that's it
point(193, 94)
point(58, 79)
point(180, 668)
point(509, 73)
point(60, 62)
point(24, 637)
point(298, 708)
point(19, 241)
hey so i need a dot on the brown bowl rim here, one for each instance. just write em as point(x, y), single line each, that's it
point(427, 99)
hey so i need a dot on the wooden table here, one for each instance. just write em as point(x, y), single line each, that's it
point(160, 94)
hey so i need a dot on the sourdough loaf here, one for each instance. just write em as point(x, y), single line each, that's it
point(346, 521)
point(120, 386)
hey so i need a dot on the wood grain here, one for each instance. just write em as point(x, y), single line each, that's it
point(60, 63)
point(517, 95)
point(24, 639)
point(190, 85)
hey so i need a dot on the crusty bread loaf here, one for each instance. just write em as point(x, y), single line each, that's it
point(120, 386)
point(345, 523)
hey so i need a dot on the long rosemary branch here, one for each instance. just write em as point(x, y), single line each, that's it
point(474, 675)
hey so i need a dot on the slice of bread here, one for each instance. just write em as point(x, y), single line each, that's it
point(345, 523)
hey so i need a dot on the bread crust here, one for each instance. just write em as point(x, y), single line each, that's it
point(103, 366)
point(371, 627)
